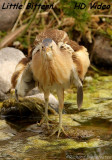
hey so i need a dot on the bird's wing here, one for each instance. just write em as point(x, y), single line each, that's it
point(22, 79)
point(81, 63)
point(79, 55)
point(18, 70)
point(25, 82)
point(67, 51)
point(81, 59)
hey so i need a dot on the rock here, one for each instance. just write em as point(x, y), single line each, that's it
point(25, 108)
point(102, 52)
point(88, 79)
point(29, 109)
point(8, 16)
point(53, 102)
point(33, 92)
point(9, 58)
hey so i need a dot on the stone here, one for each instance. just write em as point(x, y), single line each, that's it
point(53, 102)
point(102, 52)
point(9, 58)
point(30, 107)
point(88, 79)
point(8, 16)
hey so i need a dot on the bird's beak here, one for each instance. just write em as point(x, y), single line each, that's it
point(16, 95)
point(48, 52)
point(47, 49)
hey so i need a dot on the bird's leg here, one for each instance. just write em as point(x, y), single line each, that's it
point(59, 129)
point(45, 118)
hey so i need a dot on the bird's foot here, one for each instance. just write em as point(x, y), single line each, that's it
point(59, 129)
point(46, 120)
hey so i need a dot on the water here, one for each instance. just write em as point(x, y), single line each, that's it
point(20, 140)
point(89, 131)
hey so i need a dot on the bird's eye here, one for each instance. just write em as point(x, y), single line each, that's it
point(61, 47)
point(51, 47)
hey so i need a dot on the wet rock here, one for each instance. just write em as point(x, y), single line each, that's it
point(103, 111)
point(8, 16)
point(102, 52)
point(27, 109)
point(9, 58)
point(4, 135)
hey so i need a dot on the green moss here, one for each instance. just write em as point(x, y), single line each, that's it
point(82, 16)
point(62, 144)
point(36, 143)
point(67, 120)
point(30, 103)
point(95, 92)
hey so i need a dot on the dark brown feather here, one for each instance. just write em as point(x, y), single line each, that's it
point(75, 46)
point(55, 34)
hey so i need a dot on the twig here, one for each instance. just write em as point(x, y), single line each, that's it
point(33, 16)
point(42, 14)
point(102, 15)
point(28, 39)
point(98, 71)
point(20, 15)
point(54, 14)
point(11, 36)
point(56, 3)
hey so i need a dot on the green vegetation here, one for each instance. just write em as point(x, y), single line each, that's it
point(82, 16)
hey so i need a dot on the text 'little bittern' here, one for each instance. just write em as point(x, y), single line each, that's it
point(57, 62)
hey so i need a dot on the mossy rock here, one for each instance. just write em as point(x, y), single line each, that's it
point(30, 108)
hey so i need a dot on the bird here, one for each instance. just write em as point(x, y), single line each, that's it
point(55, 63)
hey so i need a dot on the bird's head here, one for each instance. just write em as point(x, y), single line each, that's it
point(48, 48)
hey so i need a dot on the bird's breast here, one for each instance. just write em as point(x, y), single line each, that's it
point(52, 74)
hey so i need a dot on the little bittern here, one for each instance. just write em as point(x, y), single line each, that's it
point(57, 62)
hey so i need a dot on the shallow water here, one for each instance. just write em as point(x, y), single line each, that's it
point(86, 141)
point(89, 131)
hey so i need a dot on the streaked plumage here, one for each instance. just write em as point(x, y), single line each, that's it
point(57, 62)
point(22, 79)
